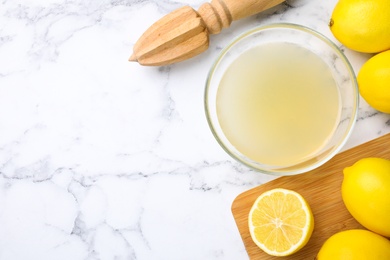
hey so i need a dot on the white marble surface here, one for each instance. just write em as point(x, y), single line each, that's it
point(105, 159)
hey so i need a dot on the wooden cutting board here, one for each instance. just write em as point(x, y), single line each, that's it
point(321, 189)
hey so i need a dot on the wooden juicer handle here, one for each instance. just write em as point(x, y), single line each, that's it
point(184, 33)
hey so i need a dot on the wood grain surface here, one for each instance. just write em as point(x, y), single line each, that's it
point(321, 189)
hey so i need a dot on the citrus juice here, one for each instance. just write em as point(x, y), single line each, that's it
point(278, 104)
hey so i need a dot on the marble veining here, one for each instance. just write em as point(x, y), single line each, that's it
point(105, 159)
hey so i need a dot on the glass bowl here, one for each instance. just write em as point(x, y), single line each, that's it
point(281, 99)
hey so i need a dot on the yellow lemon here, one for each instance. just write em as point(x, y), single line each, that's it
point(374, 81)
point(355, 244)
point(366, 193)
point(362, 25)
point(280, 222)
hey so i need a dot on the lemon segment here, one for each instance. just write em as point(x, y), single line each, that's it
point(366, 193)
point(374, 81)
point(362, 25)
point(280, 222)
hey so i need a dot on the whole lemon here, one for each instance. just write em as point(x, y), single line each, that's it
point(374, 81)
point(362, 25)
point(366, 193)
point(355, 244)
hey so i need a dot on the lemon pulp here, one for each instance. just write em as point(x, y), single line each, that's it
point(280, 222)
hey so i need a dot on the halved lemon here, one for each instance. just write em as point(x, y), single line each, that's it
point(280, 222)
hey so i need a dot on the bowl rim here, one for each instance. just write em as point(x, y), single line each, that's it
point(285, 25)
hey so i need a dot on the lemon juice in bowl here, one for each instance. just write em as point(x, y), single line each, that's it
point(281, 99)
point(278, 103)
